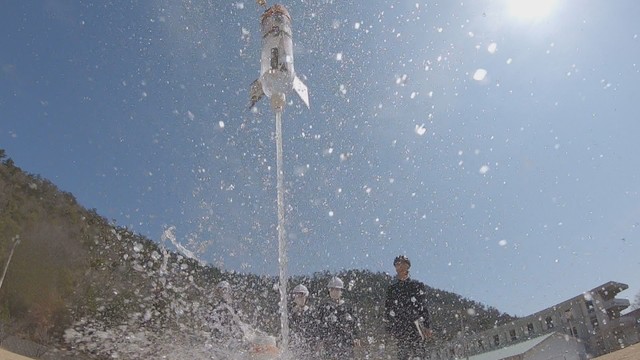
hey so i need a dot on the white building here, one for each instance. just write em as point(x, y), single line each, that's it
point(545, 347)
point(593, 319)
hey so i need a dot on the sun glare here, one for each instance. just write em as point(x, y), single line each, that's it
point(530, 9)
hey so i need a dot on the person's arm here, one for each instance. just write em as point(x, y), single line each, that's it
point(388, 304)
point(424, 312)
point(355, 326)
point(424, 309)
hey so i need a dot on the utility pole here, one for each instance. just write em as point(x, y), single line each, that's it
point(16, 241)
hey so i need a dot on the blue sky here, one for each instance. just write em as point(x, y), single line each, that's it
point(497, 148)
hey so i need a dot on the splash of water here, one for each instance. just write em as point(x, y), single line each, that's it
point(172, 321)
point(168, 316)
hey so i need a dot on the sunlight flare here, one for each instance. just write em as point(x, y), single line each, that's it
point(530, 9)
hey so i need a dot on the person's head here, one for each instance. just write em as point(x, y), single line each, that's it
point(223, 290)
point(402, 265)
point(300, 294)
point(335, 287)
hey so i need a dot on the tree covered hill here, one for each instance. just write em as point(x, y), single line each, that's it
point(77, 281)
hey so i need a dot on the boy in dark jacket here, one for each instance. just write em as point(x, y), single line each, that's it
point(303, 324)
point(406, 313)
point(338, 324)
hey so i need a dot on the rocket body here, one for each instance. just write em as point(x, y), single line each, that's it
point(277, 74)
point(276, 61)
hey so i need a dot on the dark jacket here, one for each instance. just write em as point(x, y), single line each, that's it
point(304, 324)
point(338, 326)
point(304, 331)
point(405, 303)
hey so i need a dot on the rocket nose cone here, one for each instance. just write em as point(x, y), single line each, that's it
point(276, 9)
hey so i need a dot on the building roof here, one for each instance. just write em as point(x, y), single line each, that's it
point(610, 287)
point(513, 350)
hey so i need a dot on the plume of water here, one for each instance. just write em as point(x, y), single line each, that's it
point(282, 241)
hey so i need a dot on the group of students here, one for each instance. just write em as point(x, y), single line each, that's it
point(331, 329)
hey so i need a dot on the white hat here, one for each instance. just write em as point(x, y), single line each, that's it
point(223, 285)
point(335, 283)
point(300, 289)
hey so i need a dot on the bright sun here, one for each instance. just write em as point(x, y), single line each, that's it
point(530, 9)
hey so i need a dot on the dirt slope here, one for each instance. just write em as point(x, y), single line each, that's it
point(628, 353)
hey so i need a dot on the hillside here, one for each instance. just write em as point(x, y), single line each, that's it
point(77, 282)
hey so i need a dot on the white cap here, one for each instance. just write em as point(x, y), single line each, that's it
point(223, 285)
point(335, 283)
point(300, 289)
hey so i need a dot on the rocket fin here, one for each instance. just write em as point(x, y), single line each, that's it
point(301, 90)
point(256, 93)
